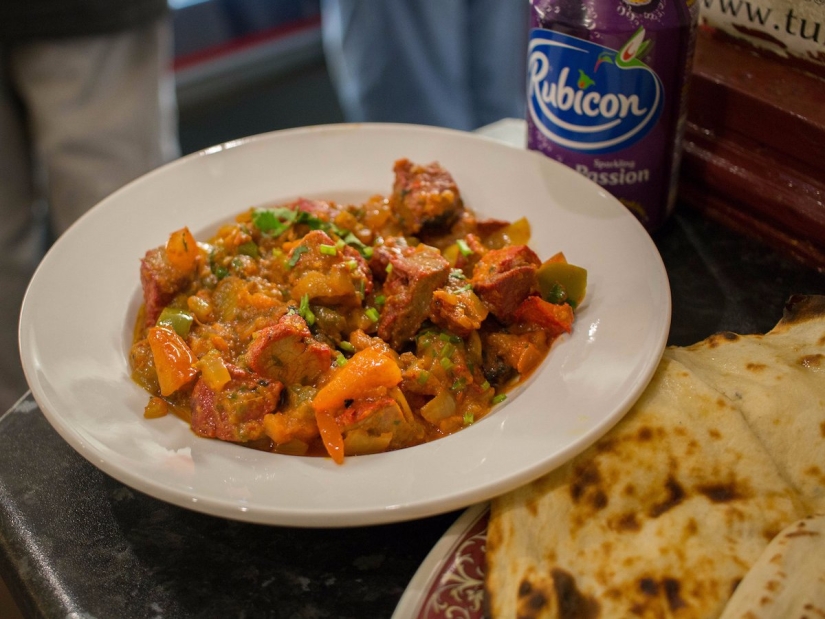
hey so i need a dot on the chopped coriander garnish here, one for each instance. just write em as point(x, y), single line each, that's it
point(328, 250)
point(344, 345)
point(380, 299)
point(459, 384)
point(499, 398)
point(311, 221)
point(296, 255)
point(305, 312)
point(463, 247)
point(340, 360)
point(276, 221)
point(423, 377)
point(557, 294)
point(457, 274)
point(448, 350)
point(466, 288)
point(446, 363)
point(372, 314)
point(273, 221)
point(350, 239)
point(469, 418)
point(352, 265)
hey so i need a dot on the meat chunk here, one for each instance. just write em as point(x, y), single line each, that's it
point(466, 261)
point(320, 209)
point(305, 255)
point(424, 196)
point(415, 275)
point(296, 420)
point(383, 253)
point(380, 417)
point(508, 354)
point(236, 412)
point(161, 281)
point(287, 352)
point(503, 278)
point(555, 319)
point(486, 227)
point(326, 273)
point(457, 309)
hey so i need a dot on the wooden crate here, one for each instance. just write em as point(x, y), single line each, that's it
point(754, 149)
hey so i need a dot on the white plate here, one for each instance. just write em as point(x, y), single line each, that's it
point(76, 323)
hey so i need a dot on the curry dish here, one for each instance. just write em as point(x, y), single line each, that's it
point(317, 328)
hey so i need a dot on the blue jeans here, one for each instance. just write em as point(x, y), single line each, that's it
point(451, 63)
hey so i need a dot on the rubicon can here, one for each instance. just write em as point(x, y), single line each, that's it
point(606, 93)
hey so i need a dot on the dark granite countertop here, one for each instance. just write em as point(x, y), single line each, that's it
point(75, 543)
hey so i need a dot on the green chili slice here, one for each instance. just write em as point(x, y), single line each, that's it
point(180, 321)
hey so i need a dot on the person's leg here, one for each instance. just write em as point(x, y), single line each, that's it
point(498, 38)
point(399, 60)
point(22, 238)
point(102, 112)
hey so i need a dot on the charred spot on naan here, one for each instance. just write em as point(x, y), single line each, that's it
point(586, 487)
point(814, 471)
point(558, 595)
point(625, 523)
point(720, 338)
point(675, 494)
point(725, 492)
point(812, 362)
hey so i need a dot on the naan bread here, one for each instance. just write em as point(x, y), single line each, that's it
point(788, 579)
point(777, 380)
point(665, 515)
point(660, 518)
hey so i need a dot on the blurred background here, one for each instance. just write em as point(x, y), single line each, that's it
point(248, 66)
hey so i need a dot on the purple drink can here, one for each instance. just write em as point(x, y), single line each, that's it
point(606, 93)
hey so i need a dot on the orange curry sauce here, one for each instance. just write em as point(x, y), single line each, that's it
point(322, 328)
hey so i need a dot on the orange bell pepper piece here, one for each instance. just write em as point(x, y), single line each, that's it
point(182, 250)
point(173, 359)
point(367, 369)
